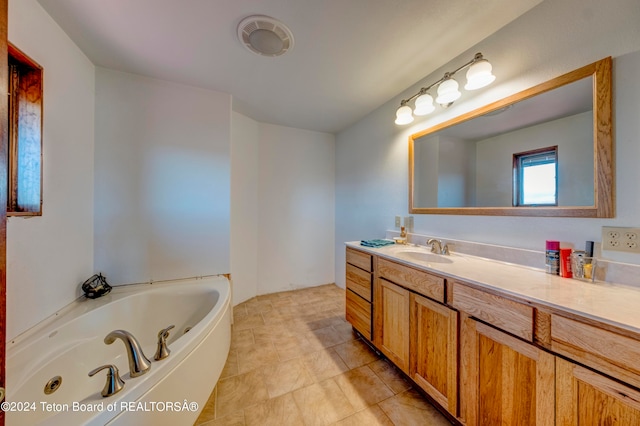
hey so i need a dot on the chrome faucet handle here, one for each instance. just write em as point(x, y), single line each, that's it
point(445, 249)
point(163, 351)
point(434, 243)
point(114, 383)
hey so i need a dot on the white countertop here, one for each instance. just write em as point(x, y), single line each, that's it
point(613, 304)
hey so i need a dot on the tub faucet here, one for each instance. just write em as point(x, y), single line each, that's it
point(114, 383)
point(163, 351)
point(138, 363)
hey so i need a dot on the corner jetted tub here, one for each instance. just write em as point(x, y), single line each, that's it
point(60, 352)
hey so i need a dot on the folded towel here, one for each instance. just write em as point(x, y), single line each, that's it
point(376, 243)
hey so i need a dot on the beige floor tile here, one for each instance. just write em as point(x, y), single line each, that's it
point(271, 333)
point(249, 321)
point(233, 419)
point(324, 364)
point(292, 347)
point(284, 377)
point(208, 412)
point(256, 357)
point(281, 411)
point(409, 408)
point(239, 392)
point(279, 316)
point(390, 376)
point(322, 403)
point(283, 300)
point(345, 330)
point(231, 366)
point(295, 360)
point(363, 387)
point(239, 311)
point(372, 416)
point(241, 339)
point(326, 337)
point(258, 306)
point(356, 353)
point(322, 319)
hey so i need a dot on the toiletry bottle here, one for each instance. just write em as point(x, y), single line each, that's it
point(565, 263)
point(552, 263)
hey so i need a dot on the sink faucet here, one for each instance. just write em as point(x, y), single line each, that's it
point(138, 363)
point(437, 246)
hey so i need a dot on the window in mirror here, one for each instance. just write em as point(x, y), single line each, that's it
point(535, 176)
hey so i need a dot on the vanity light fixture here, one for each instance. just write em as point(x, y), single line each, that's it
point(478, 75)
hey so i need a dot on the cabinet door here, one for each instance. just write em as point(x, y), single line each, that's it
point(586, 398)
point(391, 327)
point(503, 380)
point(434, 350)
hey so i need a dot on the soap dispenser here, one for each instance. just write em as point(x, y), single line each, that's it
point(403, 236)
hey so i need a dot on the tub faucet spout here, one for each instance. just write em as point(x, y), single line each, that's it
point(138, 362)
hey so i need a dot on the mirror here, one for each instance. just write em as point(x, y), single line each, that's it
point(485, 162)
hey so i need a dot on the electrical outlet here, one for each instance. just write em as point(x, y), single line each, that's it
point(621, 239)
point(398, 222)
point(408, 223)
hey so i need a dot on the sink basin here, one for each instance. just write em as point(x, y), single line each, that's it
point(422, 256)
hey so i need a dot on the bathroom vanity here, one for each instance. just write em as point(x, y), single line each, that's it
point(498, 343)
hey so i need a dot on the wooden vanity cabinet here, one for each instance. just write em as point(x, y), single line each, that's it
point(585, 398)
point(503, 380)
point(392, 322)
point(417, 333)
point(490, 358)
point(433, 350)
point(359, 280)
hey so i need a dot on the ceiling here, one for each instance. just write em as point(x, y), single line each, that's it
point(349, 57)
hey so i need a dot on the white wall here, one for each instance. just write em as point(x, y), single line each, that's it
point(551, 39)
point(48, 257)
point(283, 208)
point(297, 208)
point(162, 179)
point(244, 206)
point(456, 173)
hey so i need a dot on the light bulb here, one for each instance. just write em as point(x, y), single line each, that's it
point(479, 75)
point(448, 92)
point(424, 105)
point(404, 115)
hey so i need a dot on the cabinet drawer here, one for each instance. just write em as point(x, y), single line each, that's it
point(412, 279)
point(359, 282)
point(359, 259)
point(512, 317)
point(359, 313)
point(604, 350)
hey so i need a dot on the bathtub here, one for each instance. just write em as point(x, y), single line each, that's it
point(70, 344)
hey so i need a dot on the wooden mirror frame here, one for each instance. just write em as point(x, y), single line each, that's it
point(603, 161)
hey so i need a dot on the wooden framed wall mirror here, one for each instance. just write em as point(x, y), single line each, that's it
point(480, 163)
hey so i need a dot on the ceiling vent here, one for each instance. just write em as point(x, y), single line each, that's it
point(265, 36)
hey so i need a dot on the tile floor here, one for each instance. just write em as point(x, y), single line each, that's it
point(294, 360)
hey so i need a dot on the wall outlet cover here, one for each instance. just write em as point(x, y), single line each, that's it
point(408, 223)
point(398, 222)
point(617, 238)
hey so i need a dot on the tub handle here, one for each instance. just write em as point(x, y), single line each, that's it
point(114, 383)
point(163, 351)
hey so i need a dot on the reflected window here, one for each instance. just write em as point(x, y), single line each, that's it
point(535, 178)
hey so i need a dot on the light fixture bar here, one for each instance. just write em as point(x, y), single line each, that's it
point(479, 75)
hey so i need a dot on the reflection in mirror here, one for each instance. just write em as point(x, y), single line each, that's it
point(473, 164)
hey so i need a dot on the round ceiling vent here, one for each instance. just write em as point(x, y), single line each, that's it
point(265, 36)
